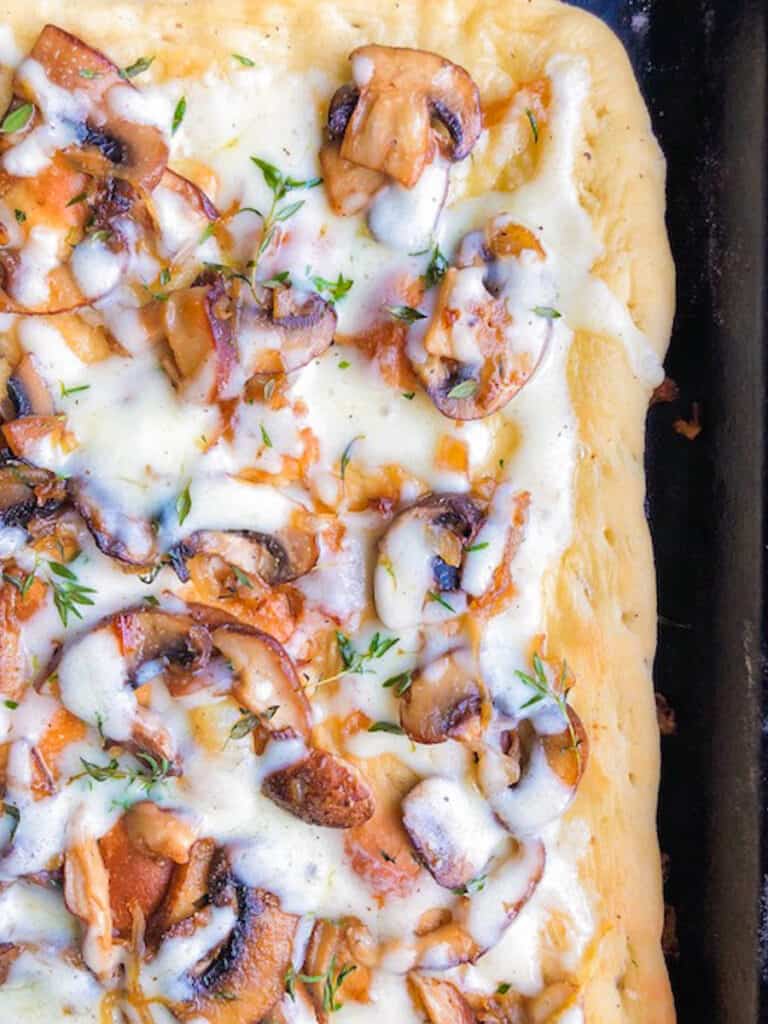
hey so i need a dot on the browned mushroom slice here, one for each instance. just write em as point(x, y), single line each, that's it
point(349, 187)
point(442, 1002)
point(138, 878)
point(264, 678)
point(117, 534)
point(274, 558)
point(419, 560)
point(244, 977)
point(452, 830)
point(159, 831)
point(28, 493)
point(198, 324)
point(318, 787)
point(284, 333)
point(400, 94)
point(28, 391)
point(444, 700)
point(187, 888)
point(344, 950)
point(110, 136)
point(536, 779)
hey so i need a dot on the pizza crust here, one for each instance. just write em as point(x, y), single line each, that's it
point(601, 611)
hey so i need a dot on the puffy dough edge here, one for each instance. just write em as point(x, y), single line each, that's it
point(601, 598)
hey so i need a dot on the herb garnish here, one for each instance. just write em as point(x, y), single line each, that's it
point(399, 683)
point(11, 704)
point(76, 389)
point(17, 119)
point(386, 727)
point(20, 216)
point(265, 436)
point(279, 184)
point(473, 885)
point(150, 772)
point(183, 505)
point(136, 68)
point(335, 290)
point(409, 395)
point(22, 585)
point(283, 279)
point(242, 578)
point(439, 599)
point(89, 73)
point(478, 547)
point(178, 114)
point(346, 455)
point(291, 977)
point(356, 662)
point(407, 314)
point(543, 690)
point(331, 986)
point(533, 123)
point(68, 592)
point(13, 812)
point(436, 268)
point(547, 312)
point(245, 61)
point(465, 389)
point(503, 988)
point(249, 720)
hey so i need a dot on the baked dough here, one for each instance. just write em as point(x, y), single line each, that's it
point(599, 599)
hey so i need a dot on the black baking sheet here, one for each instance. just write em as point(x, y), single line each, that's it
point(702, 69)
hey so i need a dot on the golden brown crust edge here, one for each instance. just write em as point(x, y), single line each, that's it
point(601, 599)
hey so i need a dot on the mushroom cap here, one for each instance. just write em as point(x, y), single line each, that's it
point(117, 534)
point(284, 332)
point(444, 700)
point(401, 92)
point(273, 557)
point(441, 1000)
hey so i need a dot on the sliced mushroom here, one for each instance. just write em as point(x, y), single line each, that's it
point(452, 830)
point(318, 787)
point(138, 878)
point(28, 391)
point(344, 947)
point(349, 187)
point(86, 894)
point(13, 658)
point(107, 134)
point(400, 94)
point(490, 328)
point(117, 534)
point(28, 493)
point(284, 332)
point(159, 832)
point(187, 889)
point(274, 558)
point(181, 212)
point(536, 779)
point(444, 700)
point(418, 568)
point(264, 678)
point(245, 976)
point(441, 1000)
point(199, 329)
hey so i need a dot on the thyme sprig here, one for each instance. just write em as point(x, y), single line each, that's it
point(280, 185)
point(543, 690)
point(69, 594)
point(358, 662)
point(151, 771)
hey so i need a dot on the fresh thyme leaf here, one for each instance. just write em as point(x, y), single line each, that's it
point(241, 577)
point(11, 704)
point(400, 683)
point(155, 770)
point(409, 395)
point(66, 392)
point(165, 276)
point(249, 720)
point(473, 885)
point(265, 436)
point(150, 772)
point(283, 279)
point(102, 235)
point(465, 389)
point(335, 290)
point(407, 314)
point(439, 599)
point(543, 690)
point(272, 175)
point(547, 312)
point(344, 364)
point(478, 547)
point(206, 233)
point(22, 585)
point(332, 985)
point(79, 198)
point(17, 119)
point(178, 114)
point(21, 216)
point(436, 268)
point(356, 662)
point(69, 594)
point(503, 988)
point(245, 61)
point(533, 123)
point(151, 600)
point(291, 977)
point(89, 73)
point(183, 505)
point(386, 727)
point(285, 212)
point(346, 455)
point(136, 68)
